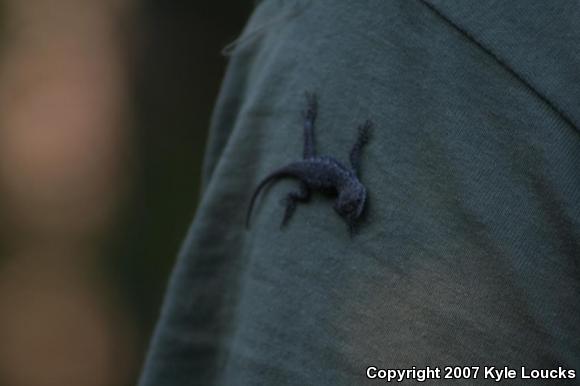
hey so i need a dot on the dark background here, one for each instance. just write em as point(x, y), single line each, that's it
point(177, 72)
point(172, 66)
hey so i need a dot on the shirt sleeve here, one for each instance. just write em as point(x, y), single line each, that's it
point(468, 254)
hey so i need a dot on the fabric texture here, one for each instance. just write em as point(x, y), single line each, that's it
point(470, 251)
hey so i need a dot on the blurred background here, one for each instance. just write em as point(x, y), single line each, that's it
point(104, 109)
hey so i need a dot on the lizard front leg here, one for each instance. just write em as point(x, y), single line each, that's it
point(363, 138)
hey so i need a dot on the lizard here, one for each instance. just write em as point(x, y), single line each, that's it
point(322, 173)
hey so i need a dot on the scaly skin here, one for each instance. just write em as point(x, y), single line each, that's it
point(322, 173)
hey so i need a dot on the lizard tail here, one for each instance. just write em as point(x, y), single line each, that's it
point(262, 184)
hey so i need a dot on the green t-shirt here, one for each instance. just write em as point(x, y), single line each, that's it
point(470, 251)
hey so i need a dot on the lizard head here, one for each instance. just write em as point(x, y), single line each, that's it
point(351, 202)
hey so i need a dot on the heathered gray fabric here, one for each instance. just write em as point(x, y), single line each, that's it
point(470, 254)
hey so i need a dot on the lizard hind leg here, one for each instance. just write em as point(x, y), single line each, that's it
point(309, 118)
point(292, 200)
